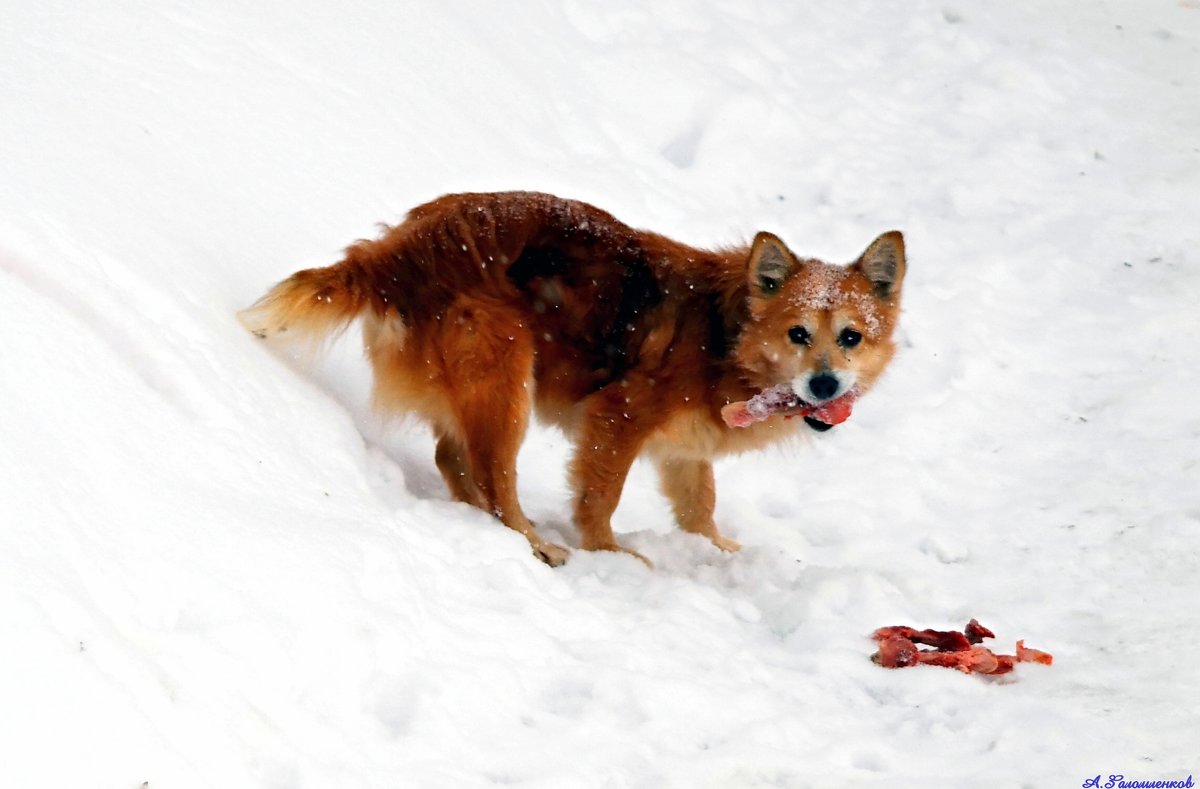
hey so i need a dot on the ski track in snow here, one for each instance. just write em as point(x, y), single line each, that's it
point(219, 568)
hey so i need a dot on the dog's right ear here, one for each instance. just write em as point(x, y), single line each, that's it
point(771, 263)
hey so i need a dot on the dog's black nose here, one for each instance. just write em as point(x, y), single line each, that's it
point(823, 386)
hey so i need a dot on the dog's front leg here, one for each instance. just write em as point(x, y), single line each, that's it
point(689, 485)
point(609, 442)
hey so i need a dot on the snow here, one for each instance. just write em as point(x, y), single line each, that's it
point(219, 569)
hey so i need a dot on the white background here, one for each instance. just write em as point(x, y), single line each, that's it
point(220, 570)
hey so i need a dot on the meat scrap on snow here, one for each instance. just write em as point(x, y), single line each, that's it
point(951, 649)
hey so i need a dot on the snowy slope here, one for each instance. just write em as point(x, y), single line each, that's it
point(217, 570)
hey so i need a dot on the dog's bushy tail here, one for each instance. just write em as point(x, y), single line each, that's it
point(315, 305)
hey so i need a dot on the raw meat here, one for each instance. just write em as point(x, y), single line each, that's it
point(951, 649)
point(782, 400)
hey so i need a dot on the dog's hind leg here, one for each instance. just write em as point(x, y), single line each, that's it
point(488, 353)
point(689, 486)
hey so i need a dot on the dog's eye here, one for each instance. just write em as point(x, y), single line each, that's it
point(849, 338)
point(798, 335)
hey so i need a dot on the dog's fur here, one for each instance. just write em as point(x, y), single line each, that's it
point(480, 306)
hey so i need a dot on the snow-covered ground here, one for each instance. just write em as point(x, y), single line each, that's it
point(220, 571)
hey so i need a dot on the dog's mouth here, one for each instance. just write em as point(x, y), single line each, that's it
point(817, 425)
point(782, 401)
point(823, 416)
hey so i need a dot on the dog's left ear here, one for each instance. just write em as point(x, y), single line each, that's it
point(771, 263)
point(883, 263)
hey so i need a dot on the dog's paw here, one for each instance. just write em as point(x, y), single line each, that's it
point(622, 549)
point(551, 554)
point(725, 544)
point(616, 547)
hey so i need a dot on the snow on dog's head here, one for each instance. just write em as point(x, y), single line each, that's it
point(823, 329)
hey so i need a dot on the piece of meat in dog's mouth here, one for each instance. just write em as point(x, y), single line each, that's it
point(782, 401)
point(832, 412)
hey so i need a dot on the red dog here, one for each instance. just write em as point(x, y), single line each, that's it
point(480, 306)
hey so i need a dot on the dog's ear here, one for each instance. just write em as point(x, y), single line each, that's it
point(883, 263)
point(771, 263)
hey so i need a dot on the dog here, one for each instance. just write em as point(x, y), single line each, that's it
point(480, 308)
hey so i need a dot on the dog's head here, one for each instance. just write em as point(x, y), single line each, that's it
point(823, 329)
